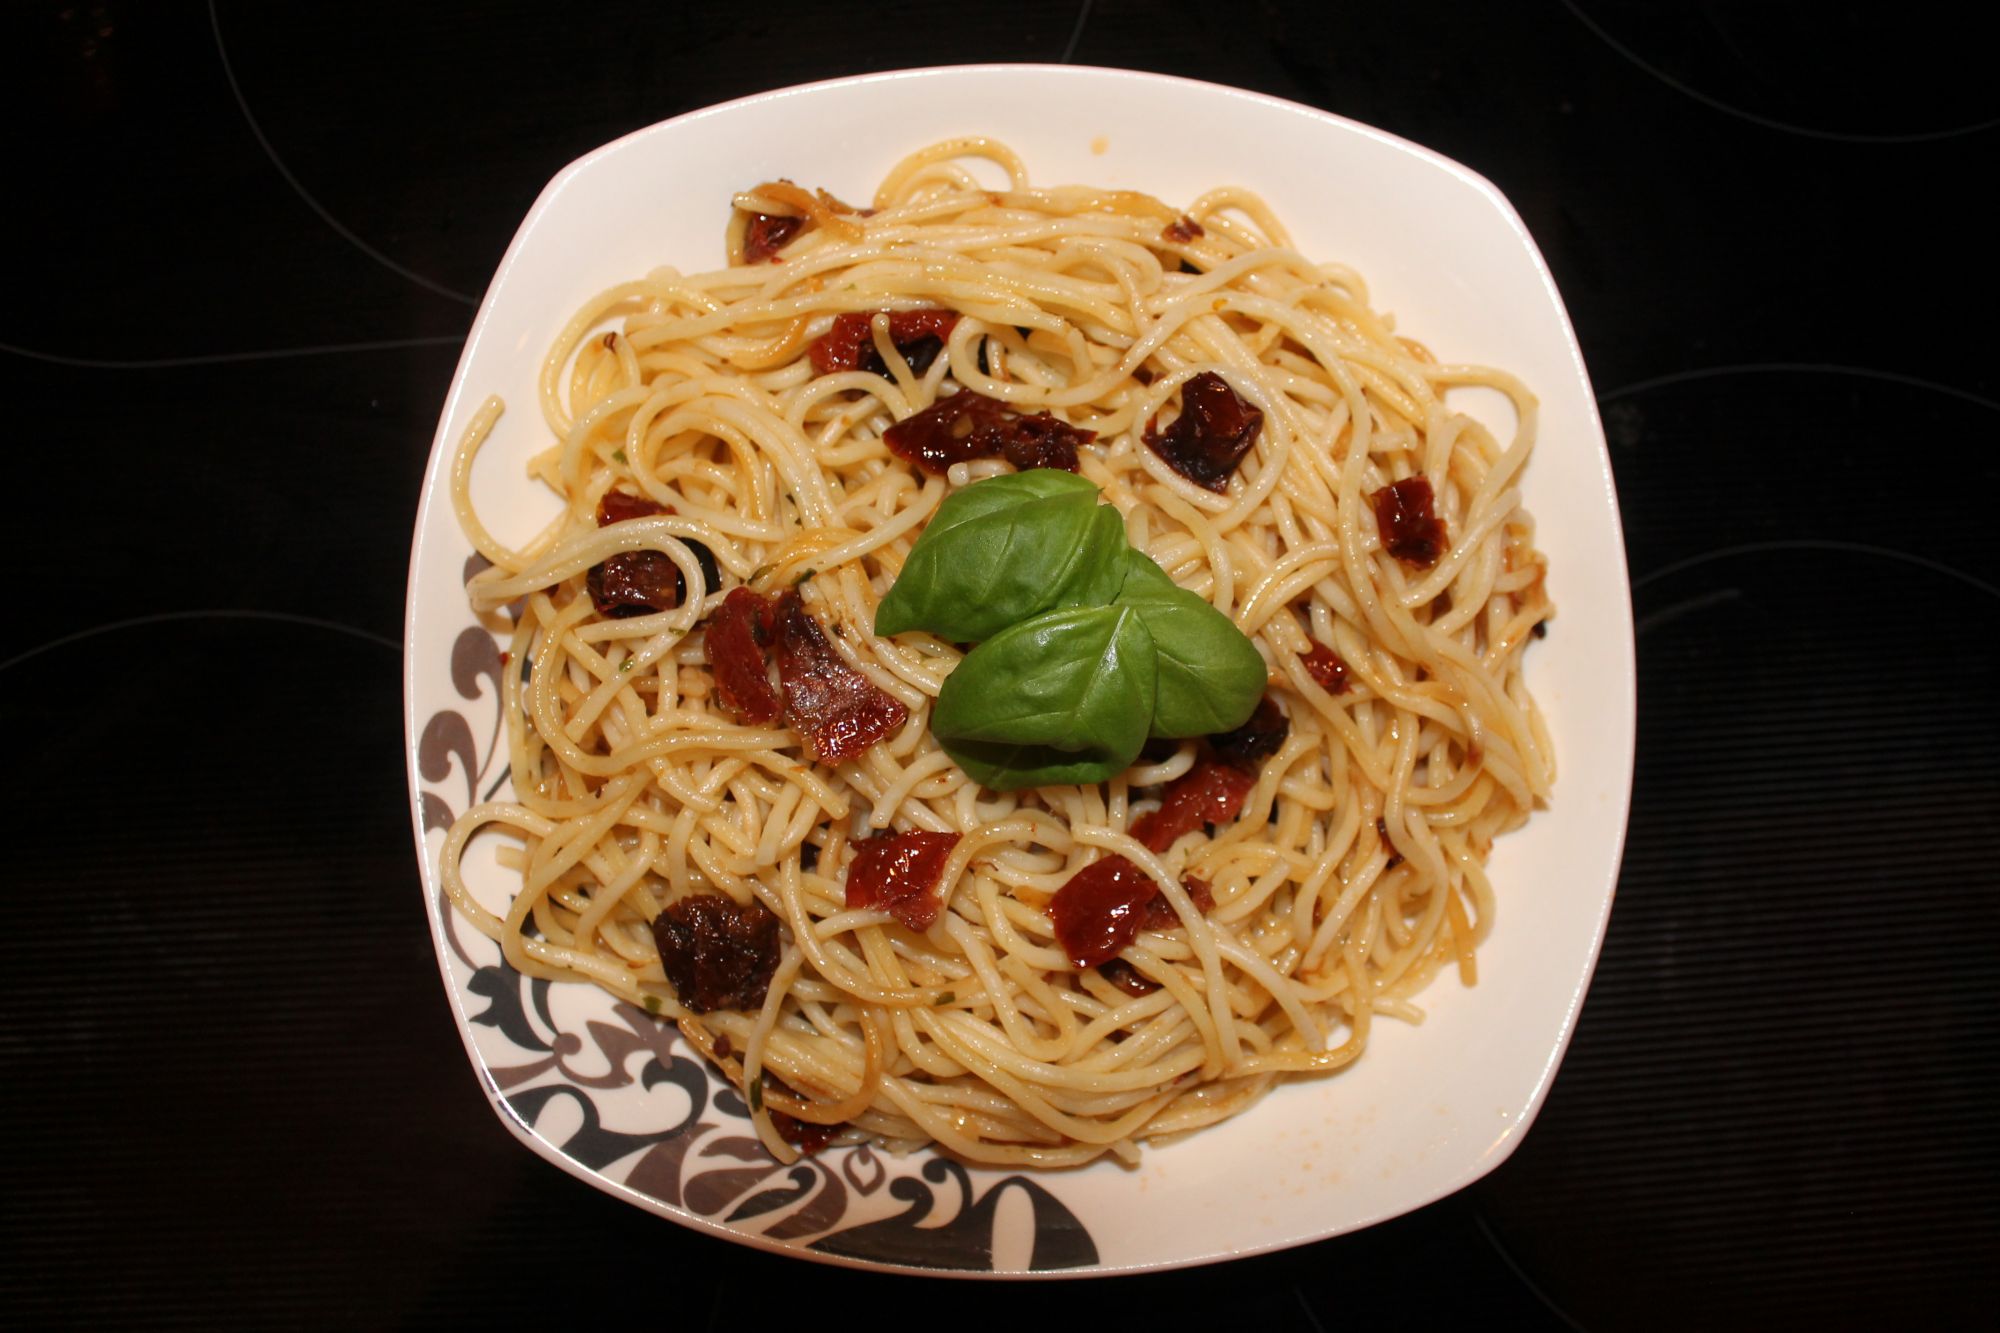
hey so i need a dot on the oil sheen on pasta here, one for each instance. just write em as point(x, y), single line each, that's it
point(1355, 871)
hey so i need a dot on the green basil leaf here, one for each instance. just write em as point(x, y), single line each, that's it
point(1143, 578)
point(1002, 492)
point(995, 555)
point(1210, 676)
point(1064, 697)
point(1100, 566)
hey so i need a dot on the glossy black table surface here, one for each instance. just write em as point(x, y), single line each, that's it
point(243, 243)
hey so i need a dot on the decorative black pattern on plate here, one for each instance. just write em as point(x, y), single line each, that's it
point(913, 1238)
point(591, 1143)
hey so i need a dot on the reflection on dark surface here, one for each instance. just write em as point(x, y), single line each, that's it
point(1861, 69)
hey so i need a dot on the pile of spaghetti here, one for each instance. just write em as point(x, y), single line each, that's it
point(738, 423)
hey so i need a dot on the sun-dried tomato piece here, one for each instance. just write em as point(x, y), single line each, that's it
point(737, 634)
point(633, 583)
point(804, 1135)
point(1042, 440)
point(1324, 665)
point(899, 873)
point(837, 711)
point(617, 506)
point(850, 345)
point(637, 583)
point(970, 425)
point(717, 955)
point(1215, 429)
point(1208, 793)
point(768, 234)
point(1096, 913)
point(1104, 906)
point(1249, 745)
point(1406, 513)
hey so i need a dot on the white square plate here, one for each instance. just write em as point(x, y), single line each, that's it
point(612, 1096)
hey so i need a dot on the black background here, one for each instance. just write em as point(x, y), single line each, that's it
point(242, 243)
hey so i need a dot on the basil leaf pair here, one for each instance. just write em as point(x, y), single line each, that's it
point(1064, 697)
point(1086, 647)
point(1003, 550)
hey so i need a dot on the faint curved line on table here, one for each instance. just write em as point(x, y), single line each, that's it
point(1299, 1295)
point(1795, 367)
point(1534, 1288)
point(230, 358)
point(1667, 615)
point(1972, 581)
point(170, 617)
point(1076, 33)
point(715, 1309)
point(257, 130)
point(1715, 104)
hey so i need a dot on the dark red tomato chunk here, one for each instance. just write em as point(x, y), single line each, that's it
point(850, 345)
point(970, 425)
point(637, 583)
point(1096, 913)
point(1040, 440)
point(1324, 665)
point(717, 955)
point(1106, 904)
point(1406, 512)
point(737, 633)
point(1215, 429)
point(1208, 793)
point(898, 873)
point(1256, 740)
point(766, 235)
point(1182, 229)
point(837, 711)
point(617, 506)
point(804, 1135)
point(633, 583)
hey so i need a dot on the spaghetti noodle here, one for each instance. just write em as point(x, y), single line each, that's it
point(1355, 869)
